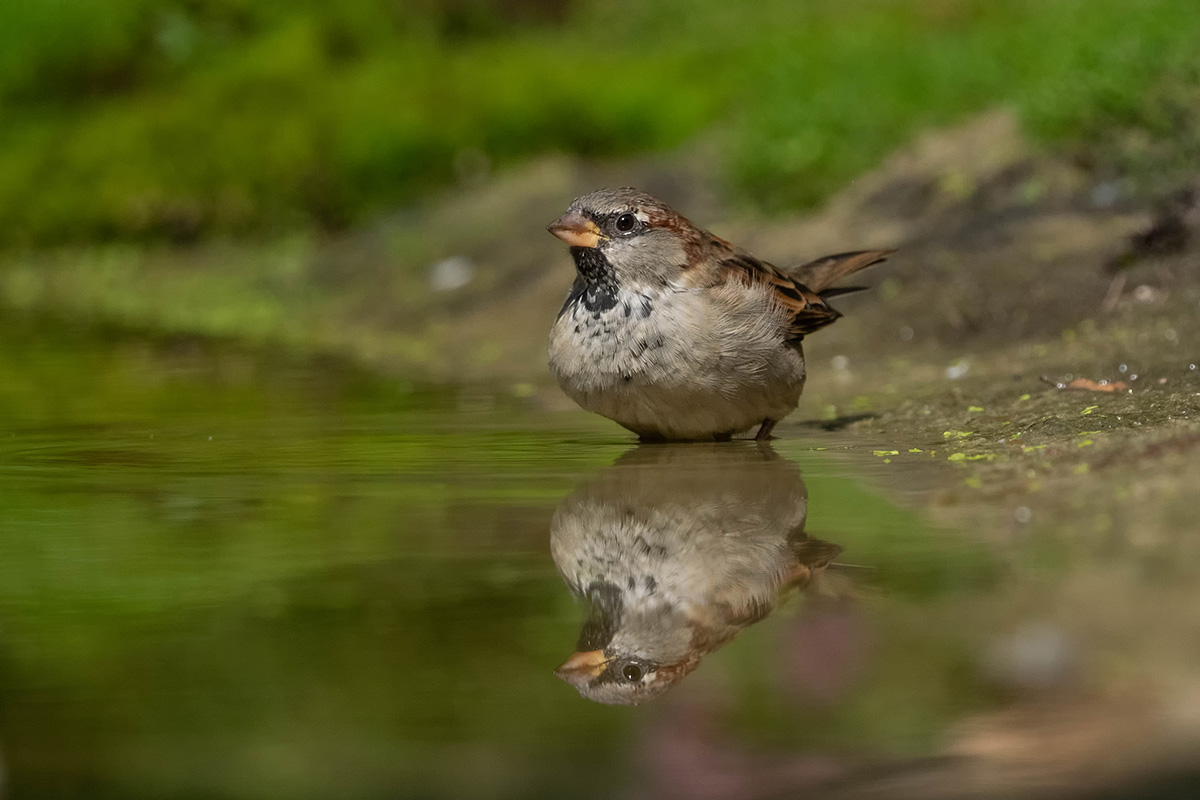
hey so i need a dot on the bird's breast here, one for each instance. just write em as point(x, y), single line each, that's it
point(681, 364)
point(606, 335)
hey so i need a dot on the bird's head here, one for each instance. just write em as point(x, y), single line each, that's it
point(629, 652)
point(629, 237)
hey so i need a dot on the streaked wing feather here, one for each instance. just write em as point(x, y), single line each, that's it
point(808, 309)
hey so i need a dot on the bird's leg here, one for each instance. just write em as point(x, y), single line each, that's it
point(764, 432)
point(765, 449)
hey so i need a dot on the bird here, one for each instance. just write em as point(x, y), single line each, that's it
point(676, 334)
point(673, 550)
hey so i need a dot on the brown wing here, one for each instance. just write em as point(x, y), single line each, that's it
point(809, 310)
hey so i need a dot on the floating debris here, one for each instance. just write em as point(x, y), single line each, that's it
point(976, 457)
point(1088, 385)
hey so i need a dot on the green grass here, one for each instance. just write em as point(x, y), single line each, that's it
point(174, 119)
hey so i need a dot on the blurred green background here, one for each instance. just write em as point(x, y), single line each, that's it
point(178, 119)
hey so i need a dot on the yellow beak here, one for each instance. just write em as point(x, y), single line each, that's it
point(575, 229)
point(582, 666)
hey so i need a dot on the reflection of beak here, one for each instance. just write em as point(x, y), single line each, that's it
point(575, 229)
point(580, 667)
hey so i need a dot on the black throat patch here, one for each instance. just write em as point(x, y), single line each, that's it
point(604, 607)
point(596, 286)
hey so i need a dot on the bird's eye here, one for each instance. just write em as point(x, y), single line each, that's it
point(626, 222)
point(632, 672)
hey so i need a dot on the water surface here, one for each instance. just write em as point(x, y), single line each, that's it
point(230, 575)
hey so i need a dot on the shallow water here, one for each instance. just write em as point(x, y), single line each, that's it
point(236, 576)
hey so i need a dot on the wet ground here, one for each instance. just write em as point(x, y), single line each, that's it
point(229, 574)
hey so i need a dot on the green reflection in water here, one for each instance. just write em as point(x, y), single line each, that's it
point(224, 575)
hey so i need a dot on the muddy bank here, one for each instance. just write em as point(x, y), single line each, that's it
point(1015, 275)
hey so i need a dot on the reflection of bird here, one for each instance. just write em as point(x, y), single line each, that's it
point(674, 550)
point(677, 334)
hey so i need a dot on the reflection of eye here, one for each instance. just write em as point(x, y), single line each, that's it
point(626, 222)
point(632, 672)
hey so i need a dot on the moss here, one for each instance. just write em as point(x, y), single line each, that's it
point(178, 120)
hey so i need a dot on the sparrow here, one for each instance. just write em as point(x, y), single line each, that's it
point(675, 333)
point(673, 550)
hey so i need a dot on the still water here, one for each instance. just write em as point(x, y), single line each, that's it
point(227, 575)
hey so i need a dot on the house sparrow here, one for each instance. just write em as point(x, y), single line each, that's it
point(673, 550)
point(677, 334)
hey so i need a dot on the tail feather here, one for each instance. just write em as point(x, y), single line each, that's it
point(815, 553)
point(822, 274)
point(838, 291)
point(811, 557)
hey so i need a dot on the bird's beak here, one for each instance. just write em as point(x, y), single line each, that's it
point(582, 666)
point(575, 229)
